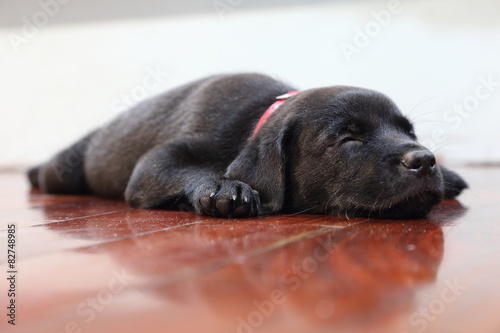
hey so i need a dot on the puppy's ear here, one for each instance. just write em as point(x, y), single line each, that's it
point(261, 164)
point(453, 183)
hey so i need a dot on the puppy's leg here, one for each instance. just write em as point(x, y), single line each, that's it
point(177, 174)
point(453, 183)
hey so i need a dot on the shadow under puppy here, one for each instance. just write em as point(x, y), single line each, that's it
point(336, 150)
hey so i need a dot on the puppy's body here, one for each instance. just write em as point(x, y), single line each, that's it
point(207, 121)
point(338, 150)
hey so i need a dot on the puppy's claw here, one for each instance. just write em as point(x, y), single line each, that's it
point(231, 198)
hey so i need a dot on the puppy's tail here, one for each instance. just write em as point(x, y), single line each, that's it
point(64, 173)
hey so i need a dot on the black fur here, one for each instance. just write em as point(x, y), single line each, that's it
point(337, 150)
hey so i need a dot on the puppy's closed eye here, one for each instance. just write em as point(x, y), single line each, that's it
point(347, 139)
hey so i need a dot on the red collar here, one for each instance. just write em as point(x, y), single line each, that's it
point(280, 100)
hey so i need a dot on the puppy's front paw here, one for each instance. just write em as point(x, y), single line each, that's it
point(226, 198)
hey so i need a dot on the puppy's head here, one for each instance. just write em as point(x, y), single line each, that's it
point(343, 151)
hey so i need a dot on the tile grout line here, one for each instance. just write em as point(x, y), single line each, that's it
point(68, 219)
point(99, 243)
point(196, 271)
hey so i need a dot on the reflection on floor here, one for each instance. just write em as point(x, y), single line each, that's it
point(85, 264)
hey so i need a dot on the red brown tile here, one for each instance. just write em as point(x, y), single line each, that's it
point(87, 264)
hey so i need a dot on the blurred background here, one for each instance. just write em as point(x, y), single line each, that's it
point(67, 66)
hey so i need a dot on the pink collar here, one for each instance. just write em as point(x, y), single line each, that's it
point(280, 100)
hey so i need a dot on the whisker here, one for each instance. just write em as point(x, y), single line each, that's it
point(303, 211)
point(422, 102)
point(414, 119)
point(441, 147)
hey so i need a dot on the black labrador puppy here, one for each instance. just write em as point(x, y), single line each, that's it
point(337, 150)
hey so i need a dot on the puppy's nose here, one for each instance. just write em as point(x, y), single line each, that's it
point(421, 162)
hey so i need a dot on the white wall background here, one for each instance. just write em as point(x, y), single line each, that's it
point(68, 66)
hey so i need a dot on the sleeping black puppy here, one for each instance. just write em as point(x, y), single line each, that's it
point(337, 150)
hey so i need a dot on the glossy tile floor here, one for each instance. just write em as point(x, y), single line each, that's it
point(86, 264)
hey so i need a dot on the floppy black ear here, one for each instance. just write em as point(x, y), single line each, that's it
point(453, 183)
point(261, 164)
